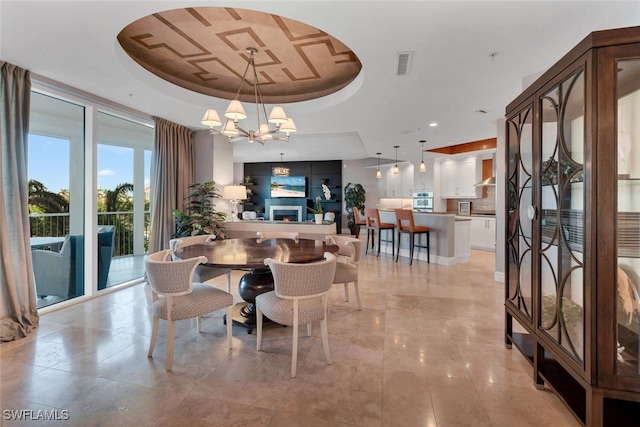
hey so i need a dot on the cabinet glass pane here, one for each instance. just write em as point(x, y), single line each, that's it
point(562, 214)
point(520, 195)
point(628, 274)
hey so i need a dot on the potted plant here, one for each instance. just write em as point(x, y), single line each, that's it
point(354, 197)
point(199, 215)
point(317, 210)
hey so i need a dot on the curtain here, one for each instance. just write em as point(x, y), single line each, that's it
point(173, 172)
point(18, 308)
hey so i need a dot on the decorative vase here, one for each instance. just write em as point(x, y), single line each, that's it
point(318, 218)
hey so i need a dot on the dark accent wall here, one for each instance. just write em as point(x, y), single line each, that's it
point(315, 172)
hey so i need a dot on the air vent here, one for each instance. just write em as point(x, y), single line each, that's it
point(403, 63)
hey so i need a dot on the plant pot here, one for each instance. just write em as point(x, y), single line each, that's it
point(318, 218)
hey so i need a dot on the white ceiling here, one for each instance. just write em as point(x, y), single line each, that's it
point(452, 74)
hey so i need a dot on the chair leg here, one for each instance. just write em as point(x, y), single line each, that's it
point(309, 329)
point(154, 335)
point(229, 282)
point(325, 335)
point(393, 241)
point(412, 243)
point(366, 247)
point(258, 327)
point(346, 292)
point(229, 325)
point(379, 240)
point(357, 291)
point(428, 249)
point(198, 324)
point(294, 349)
point(398, 248)
point(170, 338)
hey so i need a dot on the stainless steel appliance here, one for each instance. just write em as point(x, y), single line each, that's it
point(423, 201)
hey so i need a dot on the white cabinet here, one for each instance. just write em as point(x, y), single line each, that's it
point(458, 179)
point(483, 233)
point(400, 185)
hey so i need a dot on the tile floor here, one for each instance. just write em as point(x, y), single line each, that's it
point(426, 350)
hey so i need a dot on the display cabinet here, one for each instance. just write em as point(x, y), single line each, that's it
point(573, 228)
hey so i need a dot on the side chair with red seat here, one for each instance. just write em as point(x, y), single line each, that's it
point(372, 218)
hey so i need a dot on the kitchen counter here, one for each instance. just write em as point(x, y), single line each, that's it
point(449, 240)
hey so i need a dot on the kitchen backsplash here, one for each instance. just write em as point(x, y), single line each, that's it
point(485, 204)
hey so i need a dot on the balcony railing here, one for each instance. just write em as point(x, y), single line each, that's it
point(57, 225)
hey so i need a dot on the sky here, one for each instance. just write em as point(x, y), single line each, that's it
point(49, 161)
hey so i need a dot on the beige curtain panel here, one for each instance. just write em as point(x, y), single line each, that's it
point(172, 173)
point(18, 309)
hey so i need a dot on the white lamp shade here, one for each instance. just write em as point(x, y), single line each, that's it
point(235, 111)
point(211, 118)
point(229, 128)
point(423, 167)
point(378, 174)
point(234, 192)
point(396, 170)
point(265, 132)
point(278, 116)
point(289, 126)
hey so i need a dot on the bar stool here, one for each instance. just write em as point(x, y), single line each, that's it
point(405, 224)
point(358, 220)
point(372, 218)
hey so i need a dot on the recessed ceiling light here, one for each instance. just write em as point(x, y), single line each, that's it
point(434, 124)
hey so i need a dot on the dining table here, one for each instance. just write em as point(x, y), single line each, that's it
point(249, 254)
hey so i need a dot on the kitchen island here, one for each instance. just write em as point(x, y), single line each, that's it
point(449, 240)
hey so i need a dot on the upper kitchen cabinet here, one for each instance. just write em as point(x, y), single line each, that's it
point(458, 178)
point(573, 228)
point(400, 185)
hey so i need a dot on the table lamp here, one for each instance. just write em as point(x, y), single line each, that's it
point(234, 193)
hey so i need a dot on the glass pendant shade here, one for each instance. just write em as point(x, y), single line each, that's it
point(378, 174)
point(423, 168)
point(396, 170)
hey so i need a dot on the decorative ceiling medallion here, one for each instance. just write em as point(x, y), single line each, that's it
point(204, 49)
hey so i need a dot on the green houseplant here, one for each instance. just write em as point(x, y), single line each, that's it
point(199, 215)
point(354, 196)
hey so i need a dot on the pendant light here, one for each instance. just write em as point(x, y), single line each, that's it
point(423, 168)
point(396, 169)
point(378, 174)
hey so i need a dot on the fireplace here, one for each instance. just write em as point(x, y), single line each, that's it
point(285, 213)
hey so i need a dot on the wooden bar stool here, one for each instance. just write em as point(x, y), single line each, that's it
point(372, 218)
point(405, 224)
point(358, 220)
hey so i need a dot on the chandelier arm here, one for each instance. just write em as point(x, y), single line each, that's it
point(258, 96)
point(244, 75)
point(243, 133)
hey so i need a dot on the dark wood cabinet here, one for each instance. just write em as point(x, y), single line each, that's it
point(573, 228)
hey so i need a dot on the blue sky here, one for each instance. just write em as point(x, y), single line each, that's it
point(49, 163)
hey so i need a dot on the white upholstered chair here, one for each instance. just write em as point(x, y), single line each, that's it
point(347, 267)
point(293, 235)
point(299, 297)
point(203, 273)
point(177, 297)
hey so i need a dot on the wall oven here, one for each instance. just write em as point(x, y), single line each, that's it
point(423, 201)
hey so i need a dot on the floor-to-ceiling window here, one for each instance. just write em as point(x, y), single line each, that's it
point(56, 197)
point(80, 150)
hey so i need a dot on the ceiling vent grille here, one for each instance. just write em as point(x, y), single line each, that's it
point(403, 63)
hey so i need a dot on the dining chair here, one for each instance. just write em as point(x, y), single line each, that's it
point(177, 297)
point(358, 220)
point(373, 223)
point(349, 253)
point(406, 224)
point(203, 273)
point(300, 296)
point(293, 235)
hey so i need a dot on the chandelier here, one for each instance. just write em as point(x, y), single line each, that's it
point(280, 170)
point(282, 125)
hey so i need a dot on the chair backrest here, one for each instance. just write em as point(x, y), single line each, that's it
point(372, 217)
point(349, 246)
point(357, 218)
point(168, 277)
point(404, 220)
point(180, 242)
point(293, 235)
point(302, 280)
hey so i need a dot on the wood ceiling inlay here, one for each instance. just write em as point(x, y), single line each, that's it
point(204, 49)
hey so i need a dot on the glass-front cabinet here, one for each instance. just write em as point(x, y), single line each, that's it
point(572, 304)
